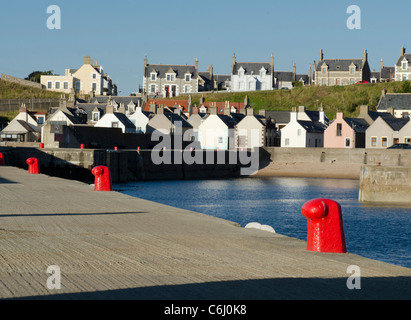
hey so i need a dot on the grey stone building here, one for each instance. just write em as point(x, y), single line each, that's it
point(341, 72)
point(403, 66)
point(167, 81)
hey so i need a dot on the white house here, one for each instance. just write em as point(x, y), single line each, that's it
point(250, 131)
point(140, 119)
point(113, 119)
point(403, 66)
point(252, 76)
point(217, 131)
point(196, 119)
point(302, 133)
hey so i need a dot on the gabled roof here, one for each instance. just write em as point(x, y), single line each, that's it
point(398, 101)
point(252, 67)
point(17, 127)
point(174, 117)
point(396, 123)
point(124, 120)
point(357, 124)
point(387, 72)
point(312, 126)
point(341, 64)
point(280, 116)
point(400, 59)
point(284, 75)
point(162, 69)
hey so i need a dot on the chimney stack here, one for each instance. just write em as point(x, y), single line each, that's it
point(402, 50)
point(321, 55)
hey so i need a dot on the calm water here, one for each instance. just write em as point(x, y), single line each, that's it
point(380, 233)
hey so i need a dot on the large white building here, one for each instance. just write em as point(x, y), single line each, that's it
point(252, 76)
point(89, 78)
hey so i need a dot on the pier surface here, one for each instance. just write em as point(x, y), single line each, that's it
point(112, 246)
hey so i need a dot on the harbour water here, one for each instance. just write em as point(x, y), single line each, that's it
point(380, 233)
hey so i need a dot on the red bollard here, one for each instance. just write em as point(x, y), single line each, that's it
point(82, 146)
point(115, 148)
point(41, 145)
point(33, 165)
point(102, 181)
point(325, 232)
point(1, 159)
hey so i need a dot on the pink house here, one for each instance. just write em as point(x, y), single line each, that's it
point(345, 132)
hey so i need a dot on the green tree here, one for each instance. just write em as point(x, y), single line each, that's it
point(405, 87)
point(35, 75)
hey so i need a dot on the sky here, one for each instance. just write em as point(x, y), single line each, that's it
point(119, 34)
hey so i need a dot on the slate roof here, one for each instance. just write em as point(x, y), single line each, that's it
point(162, 69)
point(387, 72)
point(357, 124)
point(252, 67)
point(229, 121)
point(375, 114)
point(124, 120)
point(278, 116)
point(174, 117)
point(312, 126)
point(396, 123)
point(284, 75)
point(340, 64)
point(398, 101)
point(118, 99)
point(406, 56)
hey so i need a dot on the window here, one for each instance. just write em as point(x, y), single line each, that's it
point(77, 85)
point(138, 130)
point(220, 139)
point(404, 65)
point(49, 84)
point(339, 129)
point(404, 77)
point(153, 88)
point(407, 140)
point(373, 141)
point(287, 142)
point(384, 141)
point(94, 86)
point(96, 116)
point(324, 70)
point(352, 70)
point(352, 81)
point(170, 77)
point(94, 76)
point(324, 81)
point(347, 142)
point(65, 85)
point(114, 124)
point(188, 77)
point(40, 119)
point(299, 132)
point(396, 141)
point(153, 76)
point(187, 88)
point(57, 85)
point(337, 82)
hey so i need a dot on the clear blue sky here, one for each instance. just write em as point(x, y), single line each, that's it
point(118, 34)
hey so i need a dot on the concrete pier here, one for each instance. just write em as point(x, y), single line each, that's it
point(109, 245)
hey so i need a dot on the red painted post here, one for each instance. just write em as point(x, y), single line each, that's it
point(82, 146)
point(115, 148)
point(33, 165)
point(325, 232)
point(1, 159)
point(41, 145)
point(138, 149)
point(102, 181)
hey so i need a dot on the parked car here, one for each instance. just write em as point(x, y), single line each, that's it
point(361, 82)
point(400, 146)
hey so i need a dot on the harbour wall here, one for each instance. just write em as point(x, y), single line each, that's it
point(389, 157)
point(385, 184)
point(125, 165)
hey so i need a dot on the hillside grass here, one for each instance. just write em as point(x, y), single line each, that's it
point(333, 99)
point(9, 90)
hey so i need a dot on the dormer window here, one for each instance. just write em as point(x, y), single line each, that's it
point(188, 77)
point(263, 72)
point(153, 76)
point(324, 70)
point(352, 70)
point(170, 77)
point(241, 72)
point(96, 116)
point(404, 65)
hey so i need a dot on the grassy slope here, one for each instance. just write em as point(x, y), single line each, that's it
point(337, 98)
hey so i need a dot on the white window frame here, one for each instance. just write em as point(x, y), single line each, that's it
point(49, 84)
point(65, 85)
point(94, 75)
point(170, 77)
point(404, 65)
point(92, 86)
point(151, 88)
point(386, 141)
point(153, 76)
point(57, 85)
point(94, 114)
point(189, 77)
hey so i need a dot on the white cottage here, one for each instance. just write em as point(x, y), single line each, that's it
point(113, 119)
point(250, 131)
point(140, 119)
point(302, 133)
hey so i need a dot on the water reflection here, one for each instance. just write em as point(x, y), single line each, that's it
point(381, 233)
